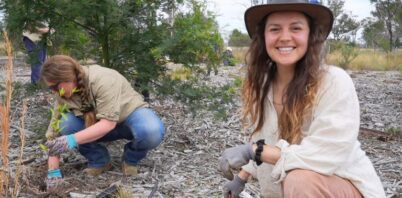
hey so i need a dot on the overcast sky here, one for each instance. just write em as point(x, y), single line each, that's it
point(230, 12)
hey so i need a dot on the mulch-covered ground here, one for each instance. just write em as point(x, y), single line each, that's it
point(184, 165)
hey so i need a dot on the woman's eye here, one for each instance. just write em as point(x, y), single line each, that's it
point(273, 29)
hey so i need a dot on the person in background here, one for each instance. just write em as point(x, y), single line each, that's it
point(99, 105)
point(227, 57)
point(304, 114)
point(35, 44)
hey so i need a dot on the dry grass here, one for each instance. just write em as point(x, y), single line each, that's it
point(368, 59)
point(239, 54)
point(19, 170)
point(5, 121)
point(181, 73)
point(123, 193)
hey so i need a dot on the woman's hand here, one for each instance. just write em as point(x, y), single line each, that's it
point(234, 187)
point(235, 158)
point(61, 145)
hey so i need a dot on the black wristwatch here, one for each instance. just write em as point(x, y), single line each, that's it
point(258, 151)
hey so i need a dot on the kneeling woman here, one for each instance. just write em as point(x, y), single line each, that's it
point(102, 106)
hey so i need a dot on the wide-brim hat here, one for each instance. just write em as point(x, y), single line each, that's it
point(320, 14)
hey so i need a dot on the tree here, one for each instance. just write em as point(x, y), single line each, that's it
point(119, 34)
point(374, 33)
point(336, 7)
point(238, 39)
point(195, 39)
point(344, 24)
point(390, 13)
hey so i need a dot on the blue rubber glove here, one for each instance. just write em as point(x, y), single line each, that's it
point(61, 145)
point(54, 173)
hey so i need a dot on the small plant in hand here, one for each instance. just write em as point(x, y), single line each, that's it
point(57, 113)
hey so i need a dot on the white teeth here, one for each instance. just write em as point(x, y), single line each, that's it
point(285, 49)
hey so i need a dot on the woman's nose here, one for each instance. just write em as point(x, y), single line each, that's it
point(285, 35)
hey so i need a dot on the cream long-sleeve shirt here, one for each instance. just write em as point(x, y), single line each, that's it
point(329, 145)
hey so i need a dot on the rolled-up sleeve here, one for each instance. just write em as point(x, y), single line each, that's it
point(107, 92)
point(332, 133)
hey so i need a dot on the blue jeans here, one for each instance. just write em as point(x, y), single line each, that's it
point(143, 127)
point(37, 56)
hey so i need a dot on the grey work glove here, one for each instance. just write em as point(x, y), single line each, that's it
point(234, 187)
point(58, 146)
point(53, 183)
point(235, 158)
point(50, 134)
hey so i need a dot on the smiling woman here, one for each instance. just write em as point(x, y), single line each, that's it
point(304, 114)
point(286, 37)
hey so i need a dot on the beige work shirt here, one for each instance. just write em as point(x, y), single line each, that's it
point(329, 145)
point(110, 93)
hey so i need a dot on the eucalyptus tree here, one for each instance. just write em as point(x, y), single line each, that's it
point(344, 24)
point(389, 12)
point(118, 34)
point(132, 36)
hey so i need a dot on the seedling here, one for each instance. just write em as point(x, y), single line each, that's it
point(62, 92)
point(57, 113)
point(75, 90)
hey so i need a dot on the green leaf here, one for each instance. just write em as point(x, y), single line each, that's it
point(75, 90)
point(43, 147)
point(62, 92)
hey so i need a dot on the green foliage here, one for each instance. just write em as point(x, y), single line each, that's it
point(238, 81)
point(197, 95)
point(57, 113)
point(61, 92)
point(348, 53)
point(394, 131)
point(195, 39)
point(239, 39)
point(43, 147)
point(345, 26)
point(75, 90)
point(180, 74)
point(118, 34)
point(389, 13)
point(373, 33)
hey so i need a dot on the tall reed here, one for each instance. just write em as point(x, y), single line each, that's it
point(5, 120)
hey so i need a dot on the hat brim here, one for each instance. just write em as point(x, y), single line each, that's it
point(320, 14)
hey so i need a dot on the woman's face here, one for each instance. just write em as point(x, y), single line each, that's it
point(64, 89)
point(286, 37)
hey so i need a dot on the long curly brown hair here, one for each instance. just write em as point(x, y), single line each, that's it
point(61, 68)
point(300, 93)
